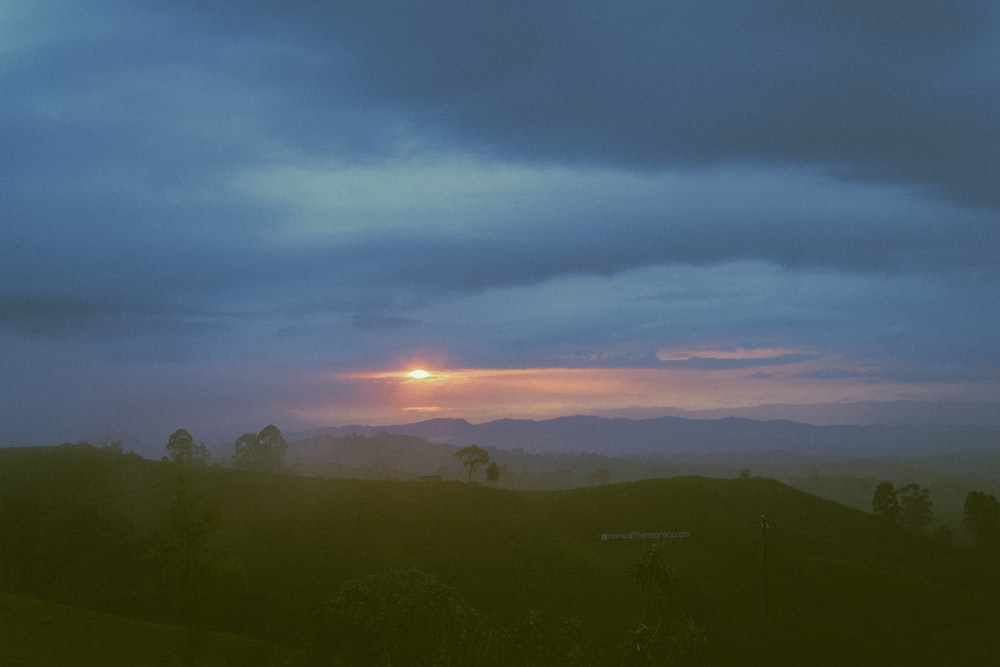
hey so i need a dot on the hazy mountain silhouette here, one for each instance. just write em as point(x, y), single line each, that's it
point(663, 435)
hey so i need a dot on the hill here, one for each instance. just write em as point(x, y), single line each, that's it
point(850, 481)
point(39, 632)
point(267, 555)
point(675, 435)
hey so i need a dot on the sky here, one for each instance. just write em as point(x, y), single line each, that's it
point(217, 215)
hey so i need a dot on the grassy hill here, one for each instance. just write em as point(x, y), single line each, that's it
point(263, 555)
point(39, 632)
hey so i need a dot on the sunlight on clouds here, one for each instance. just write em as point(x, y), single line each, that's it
point(466, 194)
point(482, 394)
point(342, 198)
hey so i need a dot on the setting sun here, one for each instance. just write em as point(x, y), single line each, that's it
point(418, 374)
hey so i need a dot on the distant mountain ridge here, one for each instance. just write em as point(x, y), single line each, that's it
point(860, 413)
point(672, 435)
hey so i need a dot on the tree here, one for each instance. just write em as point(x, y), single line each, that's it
point(262, 452)
point(473, 458)
point(492, 472)
point(114, 447)
point(664, 633)
point(885, 504)
point(915, 506)
point(191, 519)
point(981, 514)
point(654, 576)
point(181, 448)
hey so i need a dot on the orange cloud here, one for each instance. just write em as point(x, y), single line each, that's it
point(483, 394)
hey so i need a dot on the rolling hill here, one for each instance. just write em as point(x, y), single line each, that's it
point(265, 554)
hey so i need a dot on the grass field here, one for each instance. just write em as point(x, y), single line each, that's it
point(39, 632)
point(95, 530)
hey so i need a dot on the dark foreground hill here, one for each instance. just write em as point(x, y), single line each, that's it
point(39, 632)
point(320, 566)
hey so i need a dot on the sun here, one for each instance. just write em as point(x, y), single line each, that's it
point(418, 374)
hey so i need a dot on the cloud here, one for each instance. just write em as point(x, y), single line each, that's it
point(658, 85)
point(832, 374)
point(896, 92)
point(203, 190)
point(729, 357)
point(472, 225)
point(52, 315)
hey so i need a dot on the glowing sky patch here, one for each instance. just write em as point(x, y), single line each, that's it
point(483, 394)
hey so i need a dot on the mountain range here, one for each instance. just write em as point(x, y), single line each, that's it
point(617, 436)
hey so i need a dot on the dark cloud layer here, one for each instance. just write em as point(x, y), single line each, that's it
point(575, 183)
point(884, 91)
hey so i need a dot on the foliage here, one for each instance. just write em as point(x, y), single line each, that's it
point(664, 631)
point(885, 503)
point(537, 639)
point(191, 519)
point(492, 472)
point(909, 506)
point(981, 515)
point(473, 458)
point(653, 575)
point(399, 617)
point(181, 448)
point(916, 508)
point(115, 447)
point(263, 452)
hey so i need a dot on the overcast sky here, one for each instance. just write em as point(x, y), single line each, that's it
point(216, 215)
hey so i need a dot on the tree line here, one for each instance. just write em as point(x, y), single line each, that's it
point(261, 452)
point(910, 507)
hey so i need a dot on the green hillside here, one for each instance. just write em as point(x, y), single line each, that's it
point(39, 632)
point(265, 556)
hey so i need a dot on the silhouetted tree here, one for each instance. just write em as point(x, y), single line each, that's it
point(191, 519)
point(114, 446)
point(181, 448)
point(492, 472)
point(885, 504)
point(262, 452)
point(981, 514)
point(473, 458)
point(915, 506)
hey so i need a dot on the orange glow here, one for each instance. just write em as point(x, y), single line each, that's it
point(484, 394)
